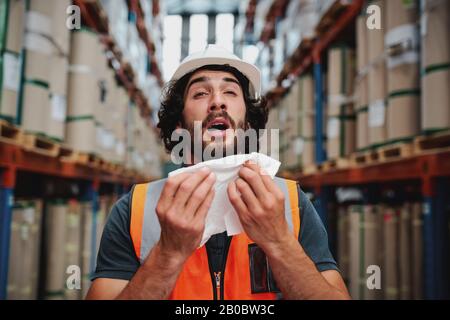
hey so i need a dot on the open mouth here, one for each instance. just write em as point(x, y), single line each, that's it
point(218, 124)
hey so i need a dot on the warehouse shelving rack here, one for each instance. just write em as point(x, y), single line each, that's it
point(14, 159)
point(431, 169)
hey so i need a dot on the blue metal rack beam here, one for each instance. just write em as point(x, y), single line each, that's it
point(6, 196)
point(436, 241)
point(319, 98)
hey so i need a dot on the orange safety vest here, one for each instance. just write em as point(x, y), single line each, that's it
point(195, 281)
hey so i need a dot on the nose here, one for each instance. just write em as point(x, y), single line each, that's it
point(217, 103)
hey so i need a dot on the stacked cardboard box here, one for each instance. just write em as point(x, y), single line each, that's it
point(341, 117)
point(435, 26)
point(25, 250)
point(86, 247)
point(85, 90)
point(46, 44)
point(377, 80)
point(292, 128)
point(55, 240)
point(384, 236)
point(12, 17)
point(361, 85)
point(402, 44)
point(307, 111)
point(72, 245)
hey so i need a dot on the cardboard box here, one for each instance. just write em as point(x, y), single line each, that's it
point(391, 254)
point(341, 131)
point(60, 33)
point(84, 48)
point(405, 274)
point(399, 12)
point(10, 65)
point(341, 71)
point(372, 247)
point(417, 251)
point(72, 243)
point(86, 246)
point(81, 134)
point(83, 93)
point(13, 33)
point(343, 244)
point(35, 107)
point(355, 213)
point(361, 43)
point(55, 239)
point(435, 100)
point(403, 117)
point(362, 115)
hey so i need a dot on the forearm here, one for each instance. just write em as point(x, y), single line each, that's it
point(297, 276)
point(155, 279)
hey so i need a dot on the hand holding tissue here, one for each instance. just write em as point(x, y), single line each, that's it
point(221, 215)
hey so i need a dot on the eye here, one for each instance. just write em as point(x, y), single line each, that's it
point(199, 94)
point(231, 92)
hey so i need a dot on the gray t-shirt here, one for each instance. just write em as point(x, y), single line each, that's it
point(117, 259)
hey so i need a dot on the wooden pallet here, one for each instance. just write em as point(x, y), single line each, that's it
point(335, 164)
point(67, 154)
point(433, 143)
point(88, 159)
point(41, 145)
point(363, 158)
point(395, 152)
point(9, 133)
point(286, 174)
point(311, 169)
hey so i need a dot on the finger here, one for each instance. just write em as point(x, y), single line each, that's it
point(253, 178)
point(268, 182)
point(236, 200)
point(247, 195)
point(170, 188)
point(199, 194)
point(188, 186)
point(202, 211)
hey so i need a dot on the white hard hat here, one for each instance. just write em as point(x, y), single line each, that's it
point(217, 55)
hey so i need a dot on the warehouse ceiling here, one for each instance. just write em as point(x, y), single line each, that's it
point(201, 6)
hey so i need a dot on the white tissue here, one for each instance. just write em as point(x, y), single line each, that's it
point(221, 215)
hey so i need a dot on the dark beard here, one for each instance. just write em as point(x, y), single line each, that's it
point(235, 126)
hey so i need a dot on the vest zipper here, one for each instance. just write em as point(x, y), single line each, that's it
point(218, 279)
point(227, 247)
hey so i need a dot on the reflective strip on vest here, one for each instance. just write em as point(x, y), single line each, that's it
point(195, 280)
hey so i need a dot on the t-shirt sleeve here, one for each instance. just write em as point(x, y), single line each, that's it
point(116, 258)
point(313, 236)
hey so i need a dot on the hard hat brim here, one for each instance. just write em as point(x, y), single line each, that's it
point(250, 71)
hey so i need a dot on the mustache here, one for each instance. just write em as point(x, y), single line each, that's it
point(222, 114)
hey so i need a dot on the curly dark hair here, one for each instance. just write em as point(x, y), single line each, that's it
point(172, 103)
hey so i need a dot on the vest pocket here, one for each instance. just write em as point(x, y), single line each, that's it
point(261, 276)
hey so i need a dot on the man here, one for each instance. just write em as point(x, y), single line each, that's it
point(150, 244)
